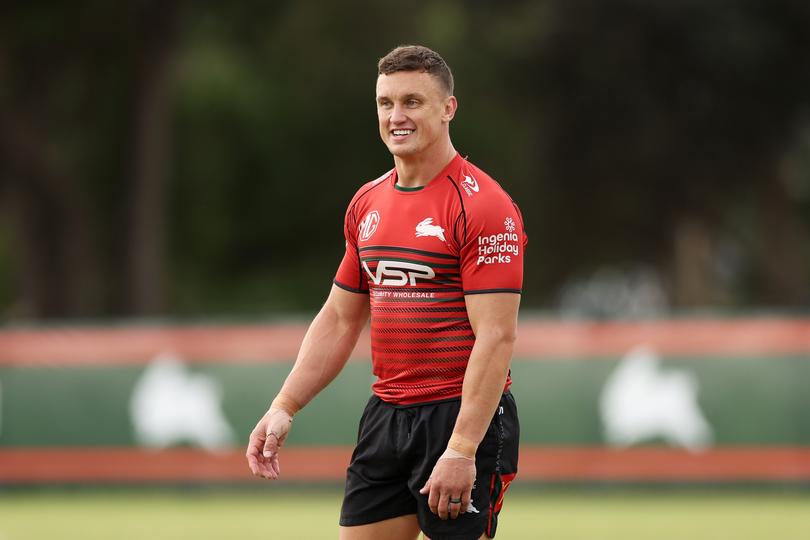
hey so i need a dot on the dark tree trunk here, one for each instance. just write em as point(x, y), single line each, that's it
point(51, 228)
point(693, 281)
point(146, 228)
point(783, 246)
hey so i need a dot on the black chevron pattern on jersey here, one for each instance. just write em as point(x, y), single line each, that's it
point(421, 335)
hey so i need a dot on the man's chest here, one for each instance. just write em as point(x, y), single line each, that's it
point(407, 243)
point(407, 223)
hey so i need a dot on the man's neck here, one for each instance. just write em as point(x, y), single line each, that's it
point(418, 170)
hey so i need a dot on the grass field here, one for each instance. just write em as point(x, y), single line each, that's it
point(282, 513)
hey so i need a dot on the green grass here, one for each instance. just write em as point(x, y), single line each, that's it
point(282, 513)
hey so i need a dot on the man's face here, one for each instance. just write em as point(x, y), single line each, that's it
point(413, 111)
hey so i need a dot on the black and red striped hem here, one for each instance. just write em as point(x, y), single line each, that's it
point(490, 291)
point(347, 288)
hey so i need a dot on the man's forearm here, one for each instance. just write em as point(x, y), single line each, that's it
point(482, 389)
point(326, 346)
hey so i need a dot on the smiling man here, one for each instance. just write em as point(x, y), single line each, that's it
point(434, 253)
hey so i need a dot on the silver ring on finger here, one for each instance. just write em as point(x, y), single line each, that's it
point(455, 501)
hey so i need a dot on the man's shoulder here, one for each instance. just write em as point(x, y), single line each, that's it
point(477, 188)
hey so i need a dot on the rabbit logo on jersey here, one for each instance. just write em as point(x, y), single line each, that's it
point(427, 228)
point(499, 248)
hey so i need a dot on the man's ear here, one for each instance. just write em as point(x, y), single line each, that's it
point(450, 107)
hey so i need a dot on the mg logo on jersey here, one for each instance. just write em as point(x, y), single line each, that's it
point(397, 273)
point(369, 225)
point(427, 228)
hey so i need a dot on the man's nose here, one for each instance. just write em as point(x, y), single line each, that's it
point(398, 115)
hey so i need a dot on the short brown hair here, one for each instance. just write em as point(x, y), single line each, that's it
point(417, 58)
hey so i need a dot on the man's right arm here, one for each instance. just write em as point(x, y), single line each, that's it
point(326, 347)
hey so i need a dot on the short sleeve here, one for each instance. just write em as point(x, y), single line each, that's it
point(491, 258)
point(350, 274)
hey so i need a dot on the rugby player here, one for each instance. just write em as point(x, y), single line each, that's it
point(434, 254)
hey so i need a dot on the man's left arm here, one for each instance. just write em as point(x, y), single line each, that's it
point(494, 321)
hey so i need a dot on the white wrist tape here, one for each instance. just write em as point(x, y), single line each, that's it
point(461, 447)
point(451, 454)
point(286, 404)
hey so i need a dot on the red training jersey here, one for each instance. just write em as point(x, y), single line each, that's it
point(417, 253)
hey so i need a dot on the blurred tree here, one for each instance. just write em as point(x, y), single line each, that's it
point(157, 23)
point(668, 121)
point(196, 158)
point(44, 202)
point(74, 79)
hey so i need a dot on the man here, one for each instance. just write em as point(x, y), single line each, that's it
point(437, 246)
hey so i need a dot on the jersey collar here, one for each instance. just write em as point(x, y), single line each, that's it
point(451, 170)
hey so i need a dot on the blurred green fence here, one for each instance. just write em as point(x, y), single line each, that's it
point(666, 401)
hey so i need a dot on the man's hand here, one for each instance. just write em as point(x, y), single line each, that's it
point(265, 441)
point(449, 488)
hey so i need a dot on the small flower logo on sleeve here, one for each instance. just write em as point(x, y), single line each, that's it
point(509, 223)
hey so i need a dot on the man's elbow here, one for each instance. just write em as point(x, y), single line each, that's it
point(503, 335)
point(346, 321)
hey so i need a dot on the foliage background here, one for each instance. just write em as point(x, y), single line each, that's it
point(186, 159)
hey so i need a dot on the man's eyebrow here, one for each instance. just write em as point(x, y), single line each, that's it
point(406, 97)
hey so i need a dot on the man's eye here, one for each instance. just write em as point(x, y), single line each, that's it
point(412, 103)
point(385, 104)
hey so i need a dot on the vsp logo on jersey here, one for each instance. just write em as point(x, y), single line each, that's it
point(498, 248)
point(397, 274)
point(369, 225)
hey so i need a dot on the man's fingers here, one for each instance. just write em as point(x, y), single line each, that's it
point(253, 454)
point(466, 497)
point(258, 461)
point(253, 464)
point(276, 430)
point(268, 460)
point(262, 467)
point(275, 466)
point(433, 499)
point(454, 507)
point(268, 468)
point(268, 471)
point(271, 444)
point(449, 480)
point(444, 502)
point(265, 442)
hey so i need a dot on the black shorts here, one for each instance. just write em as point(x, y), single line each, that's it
point(397, 447)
